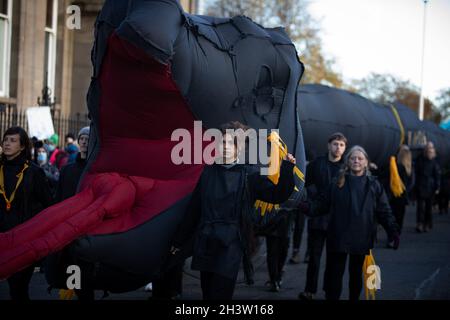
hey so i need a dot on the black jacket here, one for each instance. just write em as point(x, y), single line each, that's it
point(32, 196)
point(320, 173)
point(69, 178)
point(217, 209)
point(428, 177)
point(353, 230)
point(445, 182)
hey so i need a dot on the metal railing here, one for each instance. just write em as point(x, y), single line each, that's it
point(11, 116)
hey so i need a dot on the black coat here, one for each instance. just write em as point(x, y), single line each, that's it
point(216, 212)
point(69, 178)
point(428, 177)
point(445, 182)
point(349, 230)
point(32, 196)
point(320, 174)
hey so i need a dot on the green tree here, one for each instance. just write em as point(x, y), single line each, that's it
point(301, 27)
point(386, 88)
point(443, 103)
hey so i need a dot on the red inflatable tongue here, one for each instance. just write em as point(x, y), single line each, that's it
point(133, 178)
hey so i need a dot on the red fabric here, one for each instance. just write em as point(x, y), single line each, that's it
point(53, 156)
point(133, 178)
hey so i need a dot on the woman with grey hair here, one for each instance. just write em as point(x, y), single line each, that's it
point(356, 202)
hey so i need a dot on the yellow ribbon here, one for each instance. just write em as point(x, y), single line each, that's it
point(2, 185)
point(66, 294)
point(400, 124)
point(278, 151)
point(396, 183)
point(370, 261)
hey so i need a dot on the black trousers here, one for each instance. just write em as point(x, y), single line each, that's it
point(443, 202)
point(316, 243)
point(299, 224)
point(277, 251)
point(170, 284)
point(334, 273)
point(424, 207)
point(19, 283)
point(398, 210)
point(217, 287)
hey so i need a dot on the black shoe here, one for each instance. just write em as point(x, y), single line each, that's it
point(295, 259)
point(419, 228)
point(306, 296)
point(306, 258)
point(274, 287)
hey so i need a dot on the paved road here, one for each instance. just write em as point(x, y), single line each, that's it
point(420, 269)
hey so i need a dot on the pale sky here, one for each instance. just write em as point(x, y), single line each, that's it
point(385, 36)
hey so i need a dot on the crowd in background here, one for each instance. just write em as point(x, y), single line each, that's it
point(346, 199)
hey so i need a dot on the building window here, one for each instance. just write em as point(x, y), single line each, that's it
point(5, 45)
point(50, 44)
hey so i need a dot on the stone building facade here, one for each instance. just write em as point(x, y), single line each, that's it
point(37, 49)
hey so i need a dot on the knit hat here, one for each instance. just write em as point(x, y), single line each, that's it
point(54, 139)
point(83, 131)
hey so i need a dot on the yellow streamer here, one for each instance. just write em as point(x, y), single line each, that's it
point(66, 294)
point(400, 124)
point(396, 183)
point(370, 261)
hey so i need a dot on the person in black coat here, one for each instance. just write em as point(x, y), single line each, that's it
point(220, 209)
point(407, 175)
point(355, 203)
point(24, 193)
point(428, 179)
point(69, 179)
point(70, 175)
point(319, 174)
point(277, 245)
point(444, 192)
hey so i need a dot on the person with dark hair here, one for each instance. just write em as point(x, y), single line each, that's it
point(33, 142)
point(70, 138)
point(71, 148)
point(277, 244)
point(51, 171)
point(319, 174)
point(24, 193)
point(220, 211)
point(428, 180)
point(355, 202)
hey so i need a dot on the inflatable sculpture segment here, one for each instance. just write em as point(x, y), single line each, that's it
point(380, 129)
point(156, 69)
